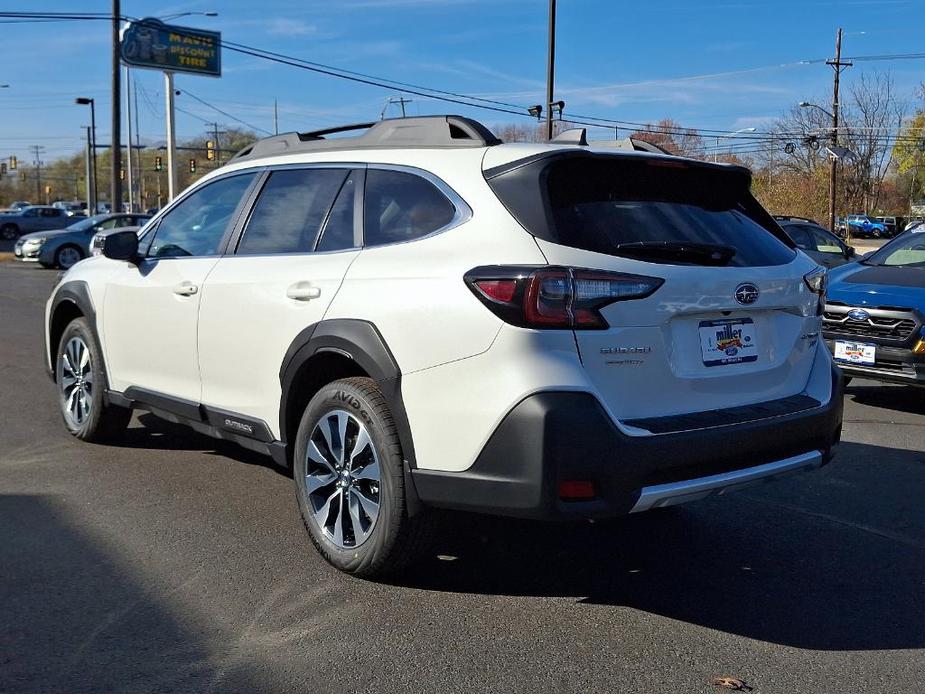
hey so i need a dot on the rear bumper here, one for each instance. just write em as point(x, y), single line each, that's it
point(555, 436)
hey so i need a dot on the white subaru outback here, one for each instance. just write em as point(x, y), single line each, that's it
point(420, 316)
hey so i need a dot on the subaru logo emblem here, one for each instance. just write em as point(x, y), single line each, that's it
point(746, 293)
point(858, 314)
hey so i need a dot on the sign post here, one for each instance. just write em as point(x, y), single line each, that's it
point(149, 43)
point(171, 138)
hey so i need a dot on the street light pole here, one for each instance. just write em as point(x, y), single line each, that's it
point(91, 180)
point(550, 67)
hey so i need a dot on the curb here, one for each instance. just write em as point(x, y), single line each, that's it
point(4, 257)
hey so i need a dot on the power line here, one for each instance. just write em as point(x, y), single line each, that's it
point(224, 113)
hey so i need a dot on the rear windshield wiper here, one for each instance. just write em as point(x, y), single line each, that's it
point(666, 251)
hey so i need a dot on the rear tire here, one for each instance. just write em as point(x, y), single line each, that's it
point(350, 482)
point(82, 384)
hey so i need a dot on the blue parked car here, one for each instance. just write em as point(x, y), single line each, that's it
point(874, 320)
point(862, 226)
point(64, 247)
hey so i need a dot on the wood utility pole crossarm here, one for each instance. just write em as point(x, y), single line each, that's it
point(838, 65)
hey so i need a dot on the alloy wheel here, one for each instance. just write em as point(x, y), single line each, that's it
point(342, 479)
point(67, 257)
point(76, 381)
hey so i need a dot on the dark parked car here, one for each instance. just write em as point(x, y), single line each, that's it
point(34, 218)
point(818, 243)
point(65, 247)
point(874, 320)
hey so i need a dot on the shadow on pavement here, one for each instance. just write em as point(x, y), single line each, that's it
point(162, 435)
point(909, 399)
point(789, 563)
point(75, 620)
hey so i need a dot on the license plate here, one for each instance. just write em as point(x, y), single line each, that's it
point(855, 352)
point(728, 341)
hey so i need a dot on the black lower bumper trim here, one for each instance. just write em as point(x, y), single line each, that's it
point(549, 437)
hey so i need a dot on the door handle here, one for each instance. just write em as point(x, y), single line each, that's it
point(303, 291)
point(185, 289)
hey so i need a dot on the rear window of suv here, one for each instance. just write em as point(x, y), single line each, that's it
point(652, 209)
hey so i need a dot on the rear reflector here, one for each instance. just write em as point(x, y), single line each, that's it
point(576, 490)
point(499, 290)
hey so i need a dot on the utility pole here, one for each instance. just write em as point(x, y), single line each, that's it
point(218, 150)
point(90, 203)
point(275, 118)
point(138, 159)
point(838, 66)
point(130, 169)
point(116, 152)
point(37, 150)
point(550, 67)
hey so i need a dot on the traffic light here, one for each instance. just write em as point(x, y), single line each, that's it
point(13, 163)
point(210, 150)
point(192, 166)
point(158, 164)
point(121, 174)
point(47, 190)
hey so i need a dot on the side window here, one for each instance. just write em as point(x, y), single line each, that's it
point(50, 212)
point(197, 224)
point(290, 211)
point(798, 233)
point(400, 206)
point(338, 229)
point(825, 243)
point(112, 223)
point(31, 213)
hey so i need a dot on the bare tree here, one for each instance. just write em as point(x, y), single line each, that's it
point(672, 137)
point(872, 115)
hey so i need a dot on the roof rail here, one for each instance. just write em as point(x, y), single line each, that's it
point(422, 131)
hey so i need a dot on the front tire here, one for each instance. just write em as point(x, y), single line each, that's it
point(8, 232)
point(67, 256)
point(81, 386)
point(350, 483)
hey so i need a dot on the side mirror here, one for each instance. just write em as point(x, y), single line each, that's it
point(850, 252)
point(118, 244)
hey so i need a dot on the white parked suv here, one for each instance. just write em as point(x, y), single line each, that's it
point(421, 316)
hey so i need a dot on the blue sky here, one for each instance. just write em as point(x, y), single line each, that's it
point(723, 64)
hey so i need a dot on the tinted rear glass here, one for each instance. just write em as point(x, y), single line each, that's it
point(602, 203)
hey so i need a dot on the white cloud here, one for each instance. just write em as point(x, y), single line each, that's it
point(282, 26)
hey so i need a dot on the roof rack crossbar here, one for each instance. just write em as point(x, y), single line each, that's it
point(422, 131)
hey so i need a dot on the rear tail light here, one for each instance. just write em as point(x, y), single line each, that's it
point(555, 297)
point(818, 281)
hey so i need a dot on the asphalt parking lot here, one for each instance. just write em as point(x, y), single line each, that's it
point(171, 562)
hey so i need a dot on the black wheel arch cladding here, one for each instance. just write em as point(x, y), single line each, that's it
point(77, 294)
point(360, 341)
